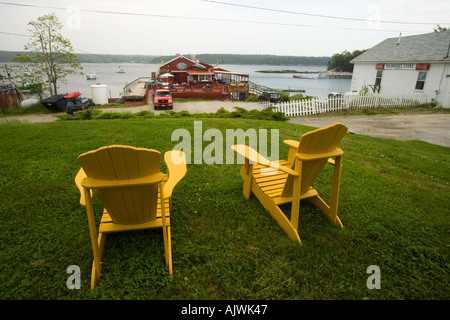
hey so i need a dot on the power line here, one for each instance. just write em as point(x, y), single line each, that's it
point(321, 15)
point(14, 34)
point(203, 18)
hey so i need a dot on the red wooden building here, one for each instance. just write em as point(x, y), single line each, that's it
point(187, 78)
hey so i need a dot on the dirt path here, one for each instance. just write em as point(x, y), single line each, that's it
point(432, 128)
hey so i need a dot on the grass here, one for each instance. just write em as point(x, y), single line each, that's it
point(393, 204)
point(36, 109)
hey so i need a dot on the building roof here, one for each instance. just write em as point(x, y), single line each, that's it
point(197, 63)
point(429, 47)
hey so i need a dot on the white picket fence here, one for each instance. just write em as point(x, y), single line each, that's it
point(348, 102)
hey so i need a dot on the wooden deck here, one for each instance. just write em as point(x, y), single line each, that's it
point(138, 92)
point(135, 91)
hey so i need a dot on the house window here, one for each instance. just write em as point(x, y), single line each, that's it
point(421, 80)
point(376, 86)
point(204, 78)
point(378, 78)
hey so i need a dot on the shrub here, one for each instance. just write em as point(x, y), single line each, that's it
point(265, 114)
point(300, 97)
point(284, 96)
point(145, 114)
point(253, 98)
point(115, 115)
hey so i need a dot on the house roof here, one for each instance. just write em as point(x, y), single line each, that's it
point(176, 58)
point(427, 47)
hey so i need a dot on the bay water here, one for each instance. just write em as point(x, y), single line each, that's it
point(107, 74)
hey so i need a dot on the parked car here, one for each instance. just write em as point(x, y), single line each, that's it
point(56, 103)
point(79, 104)
point(273, 97)
point(163, 99)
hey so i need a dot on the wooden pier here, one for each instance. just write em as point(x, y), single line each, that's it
point(135, 91)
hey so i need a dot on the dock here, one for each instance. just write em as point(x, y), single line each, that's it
point(135, 91)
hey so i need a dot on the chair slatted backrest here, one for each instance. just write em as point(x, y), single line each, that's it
point(319, 141)
point(129, 204)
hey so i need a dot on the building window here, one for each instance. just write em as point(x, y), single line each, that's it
point(378, 78)
point(421, 80)
point(376, 86)
point(204, 78)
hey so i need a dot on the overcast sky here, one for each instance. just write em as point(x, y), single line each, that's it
point(167, 27)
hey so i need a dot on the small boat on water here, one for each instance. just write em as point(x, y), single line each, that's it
point(91, 75)
point(121, 70)
point(301, 77)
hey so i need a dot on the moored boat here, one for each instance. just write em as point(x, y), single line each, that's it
point(91, 75)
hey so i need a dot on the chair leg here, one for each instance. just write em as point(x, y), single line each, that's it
point(325, 209)
point(330, 211)
point(166, 232)
point(335, 190)
point(168, 250)
point(278, 215)
point(97, 243)
point(97, 264)
point(246, 174)
point(295, 206)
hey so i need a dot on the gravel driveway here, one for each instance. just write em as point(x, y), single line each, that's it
point(432, 128)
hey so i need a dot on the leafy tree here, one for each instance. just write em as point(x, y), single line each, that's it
point(440, 29)
point(341, 61)
point(51, 56)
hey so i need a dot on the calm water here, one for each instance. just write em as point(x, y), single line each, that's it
point(313, 87)
point(107, 74)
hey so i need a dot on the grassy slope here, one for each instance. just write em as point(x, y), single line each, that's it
point(393, 204)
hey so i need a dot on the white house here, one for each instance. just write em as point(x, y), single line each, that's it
point(412, 66)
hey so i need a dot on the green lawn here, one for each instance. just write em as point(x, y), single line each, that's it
point(394, 204)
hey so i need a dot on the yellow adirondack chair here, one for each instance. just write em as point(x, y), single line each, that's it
point(133, 191)
point(289, 181)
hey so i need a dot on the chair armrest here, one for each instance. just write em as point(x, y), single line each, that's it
point(316, 156)
point(254, 157)
point(176, 169)
point(78, 179)
point(293, 147)
point(292, 143)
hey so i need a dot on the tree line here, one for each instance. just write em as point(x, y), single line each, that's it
point(341, 61)
point(248, 59)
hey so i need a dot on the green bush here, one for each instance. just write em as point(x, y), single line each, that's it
point(145, 114)
point(284, 96)
point(300, 97)
point(265, 114)
point(253, 98)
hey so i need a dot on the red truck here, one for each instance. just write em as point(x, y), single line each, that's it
point(162, 99)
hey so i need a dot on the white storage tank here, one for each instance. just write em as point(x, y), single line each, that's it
point(99, 93)
point(28, 103)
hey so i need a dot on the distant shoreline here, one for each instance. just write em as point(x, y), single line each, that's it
point(323, 74)
point(285, 71)
point(224, 59)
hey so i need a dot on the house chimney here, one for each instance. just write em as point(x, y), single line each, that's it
point(399, 38)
